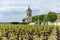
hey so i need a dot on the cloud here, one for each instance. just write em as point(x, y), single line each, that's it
point(22, 4)
point(1, 15)
point(11, 10)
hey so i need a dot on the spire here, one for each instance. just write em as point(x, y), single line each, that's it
point(29, 9)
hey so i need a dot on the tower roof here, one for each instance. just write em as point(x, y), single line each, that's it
point(29, 9)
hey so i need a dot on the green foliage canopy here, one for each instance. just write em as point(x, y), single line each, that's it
point(52, 16)
point(41, 18)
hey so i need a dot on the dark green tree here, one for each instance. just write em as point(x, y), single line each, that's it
point(51, 16)
point(34, 18)
point(41, 18)
point(45, 19)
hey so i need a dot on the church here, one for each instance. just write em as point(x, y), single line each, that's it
point(28, 15)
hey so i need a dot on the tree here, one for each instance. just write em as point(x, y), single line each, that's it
point(45, 19)
point(52, 16)
point(40, 17)
point(34, 18)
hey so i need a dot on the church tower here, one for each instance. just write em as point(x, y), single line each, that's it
point(29, 15)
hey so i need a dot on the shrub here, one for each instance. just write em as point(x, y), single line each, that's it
point(14, 22)
point(24, 23)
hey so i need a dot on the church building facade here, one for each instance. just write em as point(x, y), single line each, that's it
point(28, 15)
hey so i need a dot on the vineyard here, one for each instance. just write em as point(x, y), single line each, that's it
point(28, 32)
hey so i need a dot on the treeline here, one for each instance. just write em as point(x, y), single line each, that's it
point(50, 17)
point(19, 22)
point(14, 23)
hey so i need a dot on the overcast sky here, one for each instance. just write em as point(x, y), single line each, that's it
point(14, 10)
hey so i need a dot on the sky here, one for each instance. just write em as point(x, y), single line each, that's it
point(15, 10)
